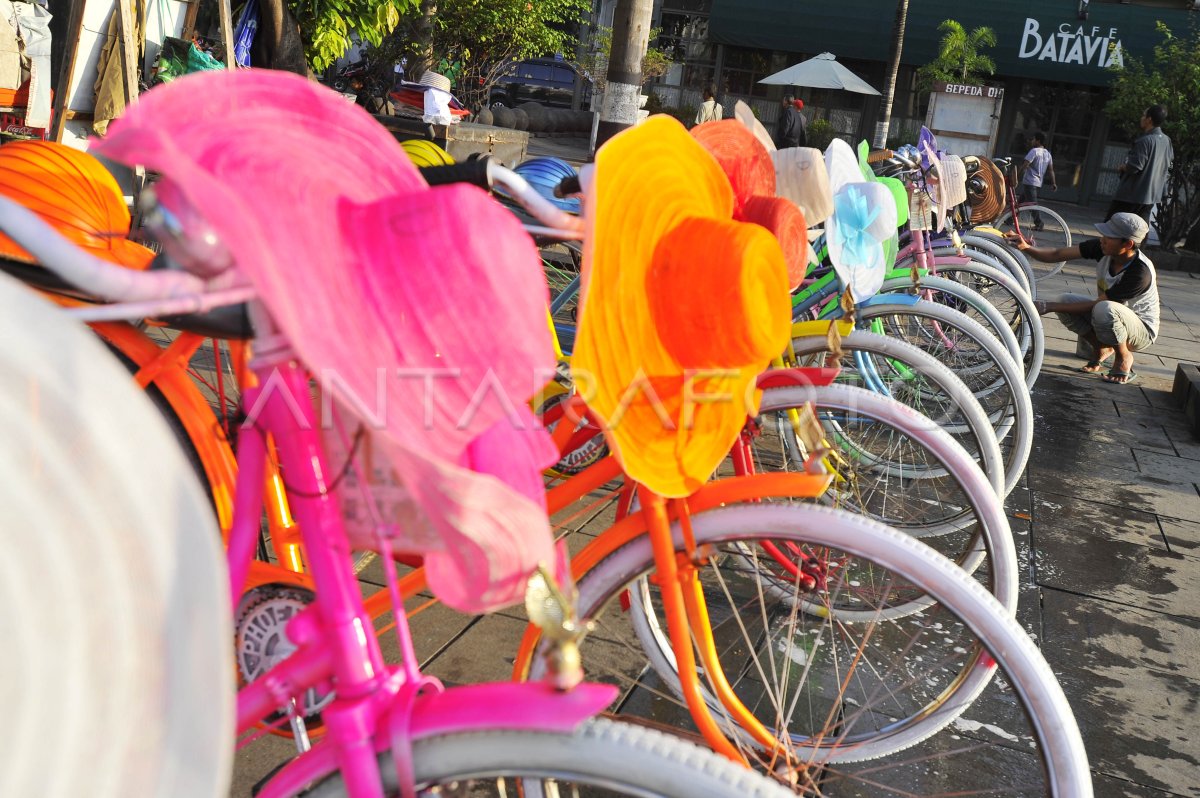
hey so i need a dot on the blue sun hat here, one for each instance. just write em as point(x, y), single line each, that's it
point(544, 174)
point(864, 218)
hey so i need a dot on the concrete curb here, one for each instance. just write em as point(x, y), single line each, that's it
point(1186, 392)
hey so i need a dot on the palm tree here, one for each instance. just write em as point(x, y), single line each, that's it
point(961, 50)
point(959, 59)
point(881, 130)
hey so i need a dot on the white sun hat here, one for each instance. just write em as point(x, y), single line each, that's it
point(117, 678)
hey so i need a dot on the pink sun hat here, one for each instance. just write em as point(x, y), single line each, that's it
point(375, 280)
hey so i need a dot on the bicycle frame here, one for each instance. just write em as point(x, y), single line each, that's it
point(377, 706)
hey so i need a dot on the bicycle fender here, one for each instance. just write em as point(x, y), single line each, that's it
point(889, 299)
point(522, 706)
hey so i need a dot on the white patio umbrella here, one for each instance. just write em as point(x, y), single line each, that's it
point(820, 72)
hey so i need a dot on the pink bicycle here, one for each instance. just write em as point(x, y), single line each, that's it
point(389, 729)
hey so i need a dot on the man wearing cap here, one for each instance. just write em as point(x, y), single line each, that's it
point(1123, 317)
point(790, 130)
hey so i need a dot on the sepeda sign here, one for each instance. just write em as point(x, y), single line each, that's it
point(1072, 43)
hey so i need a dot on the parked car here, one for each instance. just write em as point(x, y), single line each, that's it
point(542, 80)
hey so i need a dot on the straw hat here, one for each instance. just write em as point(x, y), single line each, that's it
point(434, 80)
point(747, 163)
point(953, 181)
point(382, 260)
point(985, 192)
point(864, 218)
point(682, 304)
point(114, 604)
point(743, 114)
point(74, 193)
point(800, 175)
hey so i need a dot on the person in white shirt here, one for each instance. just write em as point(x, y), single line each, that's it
point(710, 110)
point(1037, 170)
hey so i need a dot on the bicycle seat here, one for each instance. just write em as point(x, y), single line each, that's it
point(1003, 164)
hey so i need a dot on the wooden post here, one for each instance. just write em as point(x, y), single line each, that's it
point(128, 45)
point(189, 20)
point(62, 87)
point(227, 33)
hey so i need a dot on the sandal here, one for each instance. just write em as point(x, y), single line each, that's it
point(1092, 366)
point(1120, 377)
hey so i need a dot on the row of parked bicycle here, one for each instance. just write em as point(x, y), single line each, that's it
point(784, 394)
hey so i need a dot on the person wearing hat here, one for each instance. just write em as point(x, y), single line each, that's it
point(1124, 317)
point(792, 128)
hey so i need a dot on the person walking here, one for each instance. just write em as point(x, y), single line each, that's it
point(1124, 316)
point(710, 110)
point(791, 129)
point(1146, 168)
point(1037, 170)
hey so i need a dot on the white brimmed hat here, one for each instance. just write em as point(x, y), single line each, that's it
point(117, 678)
point(434, 80)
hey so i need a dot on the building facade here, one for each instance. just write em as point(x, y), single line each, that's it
point(1053, 60)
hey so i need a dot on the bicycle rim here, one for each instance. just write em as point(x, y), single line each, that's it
point(848, 692)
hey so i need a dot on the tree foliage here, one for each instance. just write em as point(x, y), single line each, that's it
point(471, 41)
point(1170, 78)
point(655, 63)
point(326, 25)
point(959, 58)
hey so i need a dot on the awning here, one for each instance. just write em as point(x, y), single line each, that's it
point(1035, 40)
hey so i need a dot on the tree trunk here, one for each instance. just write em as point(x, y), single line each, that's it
point(423, 60)
point(630, 39)
point(889, 91)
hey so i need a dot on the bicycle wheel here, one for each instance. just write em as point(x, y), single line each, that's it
point(1041, 227)
point(975, 357)
point(961, 298)
point(896, 466)
point(992, 250)
point(1005, 294)
point(601, 758)
point(916, 379)
point(841, 693)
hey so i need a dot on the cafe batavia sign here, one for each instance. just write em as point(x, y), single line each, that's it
point(1071, 43)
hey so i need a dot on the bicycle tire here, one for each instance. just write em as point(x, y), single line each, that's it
point(1005, 294)
point(946, 260)
point(882, 445)
point(916, 379)
point(1000, 387)
point(1057, 233)
point(1005, 643)
point(978, 255)
point(980, 245)
point(994, 244)
point(623, 756)
point(961, 298)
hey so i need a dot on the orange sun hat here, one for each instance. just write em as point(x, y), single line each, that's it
point(75, 194)
point(683, 307)
point(747, 163)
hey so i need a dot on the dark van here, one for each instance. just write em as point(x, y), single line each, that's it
point(541, 80)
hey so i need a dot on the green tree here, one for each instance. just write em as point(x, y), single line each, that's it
point(959, 58)
point(655, 63)
point(1171, 77)
point(326, 25)
point(472, 40)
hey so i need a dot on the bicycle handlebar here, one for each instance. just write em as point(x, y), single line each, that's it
point(87, 272)
point(487, 174)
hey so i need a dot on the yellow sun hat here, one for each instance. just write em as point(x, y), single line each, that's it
point(683, 307)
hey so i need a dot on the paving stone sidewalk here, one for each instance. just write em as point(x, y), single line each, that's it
point(1113, 495)
point(1108, 523)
